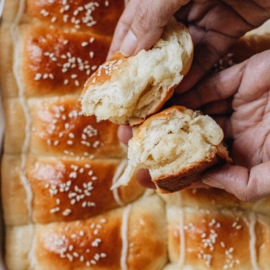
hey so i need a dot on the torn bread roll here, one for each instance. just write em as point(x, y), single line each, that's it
point(176, 145)
point(127, 90)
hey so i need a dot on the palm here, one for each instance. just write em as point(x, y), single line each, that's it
point(250, 122)
point(247, 87)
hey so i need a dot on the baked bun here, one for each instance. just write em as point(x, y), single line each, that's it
point(176, 145)
point(127, 90)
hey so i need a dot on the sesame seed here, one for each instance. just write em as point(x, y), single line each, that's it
point(47, 185)
point(38, 76)
point(84, 44)
point(66, 212)
point(54, 210)
point(73, 175)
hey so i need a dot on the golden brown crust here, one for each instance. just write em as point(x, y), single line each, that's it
point(59, 128)
point(57, 63)
point(62, 189)
point(105, 70)
point(187, 176)
point(112, 240)
point(75, 190)
point(79, 15)
point(215, 240)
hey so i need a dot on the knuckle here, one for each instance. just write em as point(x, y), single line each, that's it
point(247, 195)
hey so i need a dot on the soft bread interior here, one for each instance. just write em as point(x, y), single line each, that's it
point(140, 85)
point(171, 141)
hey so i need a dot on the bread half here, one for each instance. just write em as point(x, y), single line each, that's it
point(176, 145)
point(128, 90)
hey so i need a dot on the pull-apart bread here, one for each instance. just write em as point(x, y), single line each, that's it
point(58, 165)
point(176, 145)
point(127, 90)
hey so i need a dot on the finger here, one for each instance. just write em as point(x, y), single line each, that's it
point(123, 26)
point(219, 86)
point(212, 36)
point(198, 184)
point(206, 54)
point(148, 24)
point(245, 184)
point(144, 179)
point(124, 134)
point(218, 107)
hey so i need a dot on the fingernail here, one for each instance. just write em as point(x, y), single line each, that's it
point(129, 44)
point(212, 183)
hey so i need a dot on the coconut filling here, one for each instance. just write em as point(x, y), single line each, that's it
point(165, 145)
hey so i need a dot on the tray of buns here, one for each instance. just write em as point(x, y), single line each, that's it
point(58, 210)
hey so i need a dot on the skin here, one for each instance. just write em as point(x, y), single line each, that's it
point(142, 24)
point(239, 101)
point(238, 97)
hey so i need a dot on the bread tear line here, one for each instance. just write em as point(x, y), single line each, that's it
point(176, 145)
point(128, 90)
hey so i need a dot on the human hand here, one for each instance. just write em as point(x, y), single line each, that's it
point(239, 100)
point(214, 27)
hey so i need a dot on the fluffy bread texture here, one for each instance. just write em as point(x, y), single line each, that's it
point(127, 90)
point(176, 145)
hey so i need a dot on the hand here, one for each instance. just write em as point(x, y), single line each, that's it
point(239, 99)
point(214, 26)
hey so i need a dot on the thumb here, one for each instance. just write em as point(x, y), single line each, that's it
point(148, 24)
point(245, 184)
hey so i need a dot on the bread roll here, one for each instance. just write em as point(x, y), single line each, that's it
point(127, 90)
point(112, 240)
point(50, 62)
point(73, 15)
point(80, 15)
point(52, 152)
point(213, 198)
point(62, 189)
point(56, 126)
point(224, 239)
point(176, 145)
